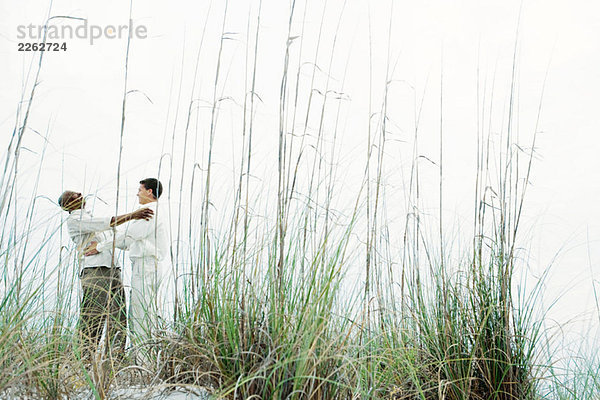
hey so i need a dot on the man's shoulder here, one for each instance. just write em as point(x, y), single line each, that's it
point(153, 205)
point(78, 214)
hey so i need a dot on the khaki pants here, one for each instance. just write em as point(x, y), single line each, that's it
point(103, 301)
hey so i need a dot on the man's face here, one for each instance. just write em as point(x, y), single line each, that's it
point(144, 195)
point(73, 201)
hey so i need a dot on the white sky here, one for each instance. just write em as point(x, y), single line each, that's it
point(79, 102)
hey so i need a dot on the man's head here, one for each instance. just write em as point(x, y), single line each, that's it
point(150, 190)
point(70, 201)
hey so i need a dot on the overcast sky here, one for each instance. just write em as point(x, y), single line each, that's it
point(433, 44)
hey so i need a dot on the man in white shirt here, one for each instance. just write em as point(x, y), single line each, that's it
point(148, 245)
point(103, 296)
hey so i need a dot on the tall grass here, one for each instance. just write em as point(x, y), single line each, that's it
point(263, 304)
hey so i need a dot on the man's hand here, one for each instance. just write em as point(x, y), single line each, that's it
point(91, 249)
point(142, 213)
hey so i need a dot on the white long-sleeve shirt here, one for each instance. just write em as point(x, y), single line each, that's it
point(143, 238)
point(84, 229)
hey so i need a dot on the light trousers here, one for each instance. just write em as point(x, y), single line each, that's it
point(144, 304)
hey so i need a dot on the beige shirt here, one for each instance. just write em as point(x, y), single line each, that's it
point(84, 229)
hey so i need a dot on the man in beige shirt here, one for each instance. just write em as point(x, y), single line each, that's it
point(103, 296)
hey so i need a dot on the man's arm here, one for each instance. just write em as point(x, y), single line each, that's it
point(122, 241)
point(138, 231)
point(92, 225)
point(143, 213)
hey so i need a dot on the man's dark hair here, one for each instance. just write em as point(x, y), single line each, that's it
point(65, 199)
point(61, 200)
point(154, 184)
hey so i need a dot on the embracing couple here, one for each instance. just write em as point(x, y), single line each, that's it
point(103, 296)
